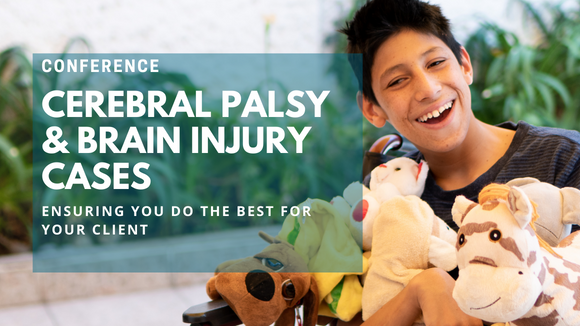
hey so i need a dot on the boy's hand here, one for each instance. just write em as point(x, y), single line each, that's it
point(433, 289)
point(428, 292)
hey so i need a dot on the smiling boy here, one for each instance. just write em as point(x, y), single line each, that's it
point(416, 76)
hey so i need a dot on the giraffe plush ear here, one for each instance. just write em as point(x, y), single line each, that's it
point(460, 208)
point(520, 206)
point(570, 205)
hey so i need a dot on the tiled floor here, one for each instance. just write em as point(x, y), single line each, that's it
point(118, 299)
point(158, 307)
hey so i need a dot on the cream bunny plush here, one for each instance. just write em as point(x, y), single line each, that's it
point(398, 177)
point(404, 233)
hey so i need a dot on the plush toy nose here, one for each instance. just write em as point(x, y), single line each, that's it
point(360, 211)
point(419, 171)
point(260, 285)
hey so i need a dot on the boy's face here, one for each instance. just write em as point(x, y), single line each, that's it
point(422, 91)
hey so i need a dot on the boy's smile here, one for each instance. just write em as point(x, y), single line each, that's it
point(422, 91)
point(437, 115)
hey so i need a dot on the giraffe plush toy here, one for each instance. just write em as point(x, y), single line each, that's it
point(507, 273)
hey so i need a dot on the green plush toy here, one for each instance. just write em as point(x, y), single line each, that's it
point(326, 244)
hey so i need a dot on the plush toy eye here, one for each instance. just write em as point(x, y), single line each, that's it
point(397, 169)
point(272, 264)
point(495, 235)
point(461, 239)
point(288, 290)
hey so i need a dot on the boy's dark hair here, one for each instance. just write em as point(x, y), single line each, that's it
point(377, 20)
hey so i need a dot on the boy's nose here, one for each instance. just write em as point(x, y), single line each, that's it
point(426, 87)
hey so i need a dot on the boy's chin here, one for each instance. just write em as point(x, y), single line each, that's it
point(435, 144)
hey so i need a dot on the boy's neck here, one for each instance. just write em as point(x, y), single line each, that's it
point(483, 146)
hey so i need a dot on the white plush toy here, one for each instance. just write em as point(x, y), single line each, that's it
point(558, 208)
point(351, 195)
point(507, 273)
point(397, 177)
point(407, 237)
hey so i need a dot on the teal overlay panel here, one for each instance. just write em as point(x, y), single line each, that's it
point(174, 162)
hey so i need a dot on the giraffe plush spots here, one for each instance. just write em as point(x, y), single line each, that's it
point(507, 273)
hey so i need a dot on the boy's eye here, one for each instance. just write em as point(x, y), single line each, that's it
point(436, 63)
point(396, 82)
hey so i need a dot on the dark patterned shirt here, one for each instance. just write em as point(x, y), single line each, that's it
point(548, 154)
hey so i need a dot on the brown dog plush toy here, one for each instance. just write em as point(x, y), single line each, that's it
point(267, 287)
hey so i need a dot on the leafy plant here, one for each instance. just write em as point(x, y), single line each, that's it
point(15, 150)
point(537, 83)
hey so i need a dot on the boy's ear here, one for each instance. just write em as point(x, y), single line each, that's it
point(371, 111)
point(466, 66)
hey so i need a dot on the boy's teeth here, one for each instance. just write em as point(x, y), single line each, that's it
point(435, 113)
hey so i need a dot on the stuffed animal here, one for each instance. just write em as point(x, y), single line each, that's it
point(314, 248)
point(327, 246)
point(405, 236)
point(558, 208)
point(351, 196)
point(407, 239)
point(399, 176)
point(506, 272)
point(267, 287)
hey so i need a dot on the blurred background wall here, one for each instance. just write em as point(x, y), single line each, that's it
point(197, 26)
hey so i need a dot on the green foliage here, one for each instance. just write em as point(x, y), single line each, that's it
point(15, 149)
point(537, 83)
